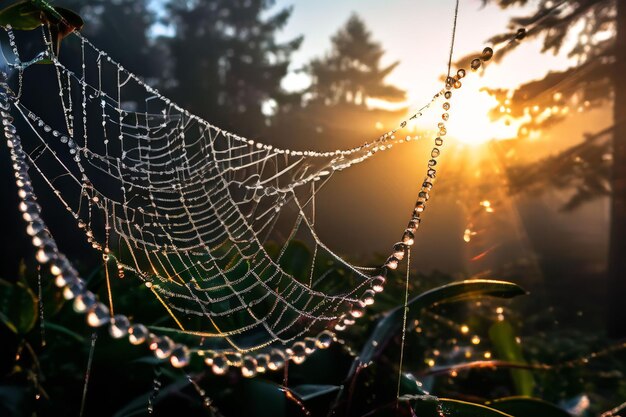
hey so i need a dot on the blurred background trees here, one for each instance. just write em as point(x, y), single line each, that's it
point(225, 63)
point(347, 92)
point(597, 167)
point(351, 73)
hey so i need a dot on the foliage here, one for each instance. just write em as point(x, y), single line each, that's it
point(584, 168)
point(341, 379)
point(59, 366)
point(30, 14)
point(588, 85)
point(226, 60)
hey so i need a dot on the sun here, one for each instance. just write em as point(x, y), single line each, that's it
point(470, 122)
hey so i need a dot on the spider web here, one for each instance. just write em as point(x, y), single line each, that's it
point(212, 223)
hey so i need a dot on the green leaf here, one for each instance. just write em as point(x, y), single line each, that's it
point(18, 307)
point(409, 385)
point(137, 407)
point(527, 406)
point(64, 330)
point(454, 292)
point(30, 14)
point(21, 16)
point(262, 398)
point(506, 347)
point(429, 406)
point(61, 22)
point(456, 408)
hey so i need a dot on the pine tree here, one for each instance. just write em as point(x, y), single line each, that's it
point(335, 110)
point(351, 73)
point(226, 62)
point(598, 80)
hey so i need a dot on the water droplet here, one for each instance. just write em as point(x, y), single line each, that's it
point(119, 326)
point(298, 353)
point(34, 228)
point(487, 54)
point(408, 238)
point(446, 106)
point(84, 302)
point(461, 73)
point(208, 357)
point(277, 360)
point(435, 152)
point(356, 312)
point(413, 224)
point(367, 299)
point(457, 84)
point(521, 34)
point(445, 116)
point(325, 338)
point(399, 250)
point(262, 361)
point(233, 358)
point(98, 315)
point(438, 141)
point(73, 288)
point(448, 94)
point(138, 334)
point(309, 345)
point(476, 63)
point(180, 357)
point(162, 347)
point(44, 255)
point(392, 262)
point(449, 83)
point(248, 367)
point(349, 321)
point(378, 283)
point(220, 365)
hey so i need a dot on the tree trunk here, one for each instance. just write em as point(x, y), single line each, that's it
point(617, 242)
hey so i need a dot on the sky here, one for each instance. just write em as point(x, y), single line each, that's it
point(416, 33)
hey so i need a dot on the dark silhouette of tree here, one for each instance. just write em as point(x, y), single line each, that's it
point(351, 72)
point(598, 80)
point(226, 62)
point(336, 109)
point(112, 24)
